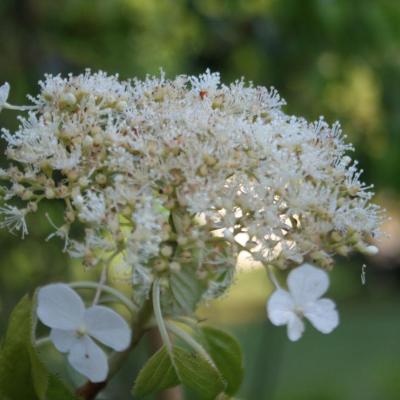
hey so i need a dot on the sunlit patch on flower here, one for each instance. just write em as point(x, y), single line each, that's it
point(75, 329)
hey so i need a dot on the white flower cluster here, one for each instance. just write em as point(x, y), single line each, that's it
point(168, 173)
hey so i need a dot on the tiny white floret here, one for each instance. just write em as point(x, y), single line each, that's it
point(4, 93)
point(73, 328)
point(306, 285)
point(14, 219)
point(371, 250)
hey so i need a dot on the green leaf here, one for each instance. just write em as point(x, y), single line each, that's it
point(22, 373)
point(226, 353)
point(15, 368)
point(186, 288)
point(188, 368)
point(157, 374)
point(16, 380)
point(198, 374)
point(39, 372)
point(58, 391)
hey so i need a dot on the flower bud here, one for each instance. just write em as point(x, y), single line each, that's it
point(367, 250)
point(98, 139)
point(32, 206)
point(371, 250)
point(83, 181)
point(49, 193)
point(72, 175)
point(67, 99)
point(182, 240)
point(70, 216)
point(346, 160)
point(27, 194)
point(160, 265)
point(18, 189)
point(101, 179)
point(336, 236)
point(175, 266)
point(166, 251)
point(87, 141)
point(121, 105)
point(203, 170)
point(209, 160)
point(343, 250)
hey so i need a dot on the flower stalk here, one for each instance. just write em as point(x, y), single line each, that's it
point(108, 289)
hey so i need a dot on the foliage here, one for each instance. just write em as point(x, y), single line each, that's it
point(223, 372)
point(22, 374)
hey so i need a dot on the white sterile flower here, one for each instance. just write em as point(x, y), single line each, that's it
point(73, 328)
point(4, 92)
point(306, 286)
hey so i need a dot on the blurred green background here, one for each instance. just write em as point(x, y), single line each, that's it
point(337, 58)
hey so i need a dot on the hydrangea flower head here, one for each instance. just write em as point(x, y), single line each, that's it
point(168, 173)
point(306, 285)
point(74, 329)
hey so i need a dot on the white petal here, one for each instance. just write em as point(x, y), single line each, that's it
point(89, 359)
point(295, 328)
point(4, 92)
point(323, 315)
point(280, 307)
point(63, 340)
point(107, 326)
point(307, 283)
point(60, 307)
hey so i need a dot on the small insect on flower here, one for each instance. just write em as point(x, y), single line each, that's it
point(73, 328)
point(306, 285)
point(4, 93)
point(203, 94)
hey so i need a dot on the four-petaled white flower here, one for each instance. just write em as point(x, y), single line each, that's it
point(73, 327)
point(306, 285)
point(4, 92)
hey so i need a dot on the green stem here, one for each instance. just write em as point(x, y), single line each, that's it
point(272, 277)
point(159, 318)
point(19, 108)
point(42, 341)
point(116, 293)
point(103, 277)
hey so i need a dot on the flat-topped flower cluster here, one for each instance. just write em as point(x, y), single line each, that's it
point(167, 173)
